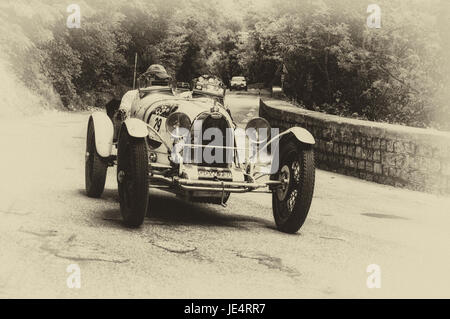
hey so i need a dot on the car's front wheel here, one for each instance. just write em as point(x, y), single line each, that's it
point(132, 178)
point(292, 200)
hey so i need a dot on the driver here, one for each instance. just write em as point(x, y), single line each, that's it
point(156, 74)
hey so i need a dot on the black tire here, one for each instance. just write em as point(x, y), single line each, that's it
point(291, 204)
point(95, 167)
point(132, 179)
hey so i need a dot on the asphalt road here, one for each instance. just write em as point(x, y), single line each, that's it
point(199, 250)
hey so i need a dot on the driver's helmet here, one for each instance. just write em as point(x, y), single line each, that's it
point(156, 74)
point(158, 71)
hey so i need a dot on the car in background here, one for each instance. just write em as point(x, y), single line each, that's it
point(238, 83)
point(208, 83)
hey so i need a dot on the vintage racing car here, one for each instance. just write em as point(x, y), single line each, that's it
point(184, 141)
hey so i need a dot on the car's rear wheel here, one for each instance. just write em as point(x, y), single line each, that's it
point(291, 201)
point(132, 178)
point(95, 166)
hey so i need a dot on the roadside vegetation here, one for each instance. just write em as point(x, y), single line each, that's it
point(329, 58)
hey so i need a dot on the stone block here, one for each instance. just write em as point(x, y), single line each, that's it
point(410, 148)
point(399, 147)
point(401, 161)
point(361, 165)
point(390, 145)
point(383, 144)
point(364, 142)
point(377, 156)
point(388, 159)
point(377, 168)
point(358, 151)
point(336, 148)
point(385, 170)
point(351, 150)
point(369, 177)
point(329, 147)
point(376, 144)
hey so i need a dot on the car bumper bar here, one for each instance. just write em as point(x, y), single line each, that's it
point(218, 186)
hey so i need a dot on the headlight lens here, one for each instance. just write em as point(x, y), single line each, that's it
point(258, 130)
point(178, 124)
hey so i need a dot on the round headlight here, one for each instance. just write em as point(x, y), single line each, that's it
point(258, 130)
point(178, 124)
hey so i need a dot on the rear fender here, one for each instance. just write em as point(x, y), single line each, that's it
point(104, 132)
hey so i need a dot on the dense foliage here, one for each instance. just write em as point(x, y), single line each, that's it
point(330, 60)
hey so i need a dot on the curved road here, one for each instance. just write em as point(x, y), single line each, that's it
point(199, 250)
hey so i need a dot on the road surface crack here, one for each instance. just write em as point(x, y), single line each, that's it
point(81, 251)
point(172, 246)
point(40, 232)
point(14, 211)
point(70, 247)
point(269, 261)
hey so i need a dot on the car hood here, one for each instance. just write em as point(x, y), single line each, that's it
point(156, 103)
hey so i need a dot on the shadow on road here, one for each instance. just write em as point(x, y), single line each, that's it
point(174, 211)
point(166, 209)
point(109, 194)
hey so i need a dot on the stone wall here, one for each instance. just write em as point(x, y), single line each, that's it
point(401, 156)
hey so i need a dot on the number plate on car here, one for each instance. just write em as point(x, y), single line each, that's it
point(215, 174)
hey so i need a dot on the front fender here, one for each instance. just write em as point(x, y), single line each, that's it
point(136, 127)
point(104, 132)
point(301, 134)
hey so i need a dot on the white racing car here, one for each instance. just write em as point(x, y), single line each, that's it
point(185, 142)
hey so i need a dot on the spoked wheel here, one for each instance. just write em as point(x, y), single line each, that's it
point(95, 166)
point(132, 179)
point(292, 200)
